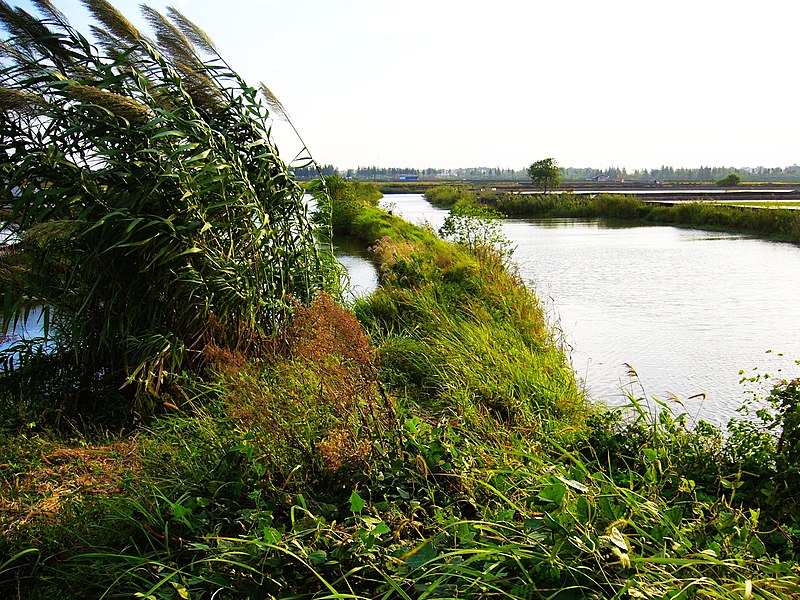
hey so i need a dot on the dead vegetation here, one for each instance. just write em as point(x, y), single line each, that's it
point(43, 483)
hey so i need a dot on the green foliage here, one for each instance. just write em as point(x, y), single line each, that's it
point(452, 456)
point(458, 332)
point(295, 475)
point(545, 174)
point(776, 223)
point(786, 398)
point(448, 515)
point(646, 442)
point(469, 223)
point(730, 180)
point(570, 206)
point(749, 467)
point(228, 464)
point(347, 199)
point(447, 196)
point(152, 211)
point(764, 444)
point(476, 228)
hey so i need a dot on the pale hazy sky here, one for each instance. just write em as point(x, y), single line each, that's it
point(447, 83)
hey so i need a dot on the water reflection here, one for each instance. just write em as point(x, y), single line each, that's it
point(362, 276)
point(556, 223)
point(415, 209)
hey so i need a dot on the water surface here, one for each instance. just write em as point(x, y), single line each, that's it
point(361, 275)
point(687, 309)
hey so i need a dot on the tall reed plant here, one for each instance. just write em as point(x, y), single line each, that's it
point(152, 213)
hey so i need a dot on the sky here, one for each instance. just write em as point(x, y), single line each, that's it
point(465, 83)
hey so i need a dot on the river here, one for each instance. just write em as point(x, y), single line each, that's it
point(687, 309)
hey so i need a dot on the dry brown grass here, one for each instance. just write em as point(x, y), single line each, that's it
point(60, 475)
point(338, 449)
point(324, 329)
point(317, 398)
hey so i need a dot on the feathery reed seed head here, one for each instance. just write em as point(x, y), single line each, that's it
point(121, 106)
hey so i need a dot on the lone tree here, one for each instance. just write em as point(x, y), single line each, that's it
point(730, 180)
point(545, 174)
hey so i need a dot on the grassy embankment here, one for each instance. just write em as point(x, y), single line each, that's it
point(776, 223)
point(442, 451)
point(405, 187)
point(759, 204)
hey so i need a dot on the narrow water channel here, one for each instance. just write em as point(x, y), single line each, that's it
point(361, 276)
point(687, 309)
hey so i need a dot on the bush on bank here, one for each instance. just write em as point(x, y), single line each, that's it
point(347, 200)
point(446, 196)
point(569, 205)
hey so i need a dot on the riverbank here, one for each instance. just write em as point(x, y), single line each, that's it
point(432, 443)
point(669, 301)
point(775, 223)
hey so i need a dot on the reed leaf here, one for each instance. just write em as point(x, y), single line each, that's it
point(273, 102)
point(47, 8)
point(21, 24)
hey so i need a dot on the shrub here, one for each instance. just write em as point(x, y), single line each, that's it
point(476, 228)
point(314, 404)
point(347, 198)
point(730, 180)
point(449, 195)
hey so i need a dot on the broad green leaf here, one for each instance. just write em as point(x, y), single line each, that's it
point(357, 503)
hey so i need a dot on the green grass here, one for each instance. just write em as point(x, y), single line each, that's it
point(405, 187)
point(438, 447)
point(460, 334)
point(446, 196)
point(778, 223)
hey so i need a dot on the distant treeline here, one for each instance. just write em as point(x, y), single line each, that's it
point(657, 175)
point(409, 173)
point(667, 173)
point(311, 172)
